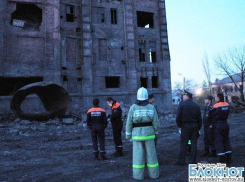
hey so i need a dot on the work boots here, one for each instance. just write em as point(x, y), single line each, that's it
point(118, 153)
point(213, 153)
point(96, 155)
point(206, 153)
point(228, 158)
point(222, 159)
point(188, 151)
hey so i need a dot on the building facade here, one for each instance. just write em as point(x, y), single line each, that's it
point(92, 48)
point(227, 86)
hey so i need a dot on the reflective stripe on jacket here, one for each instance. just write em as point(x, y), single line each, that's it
point(142, 114)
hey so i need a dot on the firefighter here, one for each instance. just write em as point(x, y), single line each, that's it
point(208, 130)
point(97, 122)
point(142, 126)
point(151, 100)
point(117, 125)
point(189, 120)
point(219, 115)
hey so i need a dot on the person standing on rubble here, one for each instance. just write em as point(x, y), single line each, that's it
point(189, 121)
point(142, 126)
point(219, 115)
point(117, 125)
point(208, 130)
point(97, 122)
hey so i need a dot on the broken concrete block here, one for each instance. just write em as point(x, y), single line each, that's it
point(42, 127)
point(17, 120)
point(7, 153)
point(68, 121)
point(14, 131)
point(25, 122)
point(80, 125)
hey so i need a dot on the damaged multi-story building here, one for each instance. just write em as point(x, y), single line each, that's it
point(92, 48)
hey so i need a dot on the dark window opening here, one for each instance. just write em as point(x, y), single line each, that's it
point(102, 49)
point(152, 52)
point(70, 13)
point(113, 16)
point(78, 29)
point(9, 85)
point(145, 19)
point(154, 81)
point(101, 15)
point(65, 79)
point(27, 16)
point(122, 48)
point(143, 82)
point(79, 79)
point(142, 52)
point(112, 82)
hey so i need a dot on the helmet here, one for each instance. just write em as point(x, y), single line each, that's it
point(142, 94)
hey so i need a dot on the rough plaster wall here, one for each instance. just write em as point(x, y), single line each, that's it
point(2, 13)
point(24, 53)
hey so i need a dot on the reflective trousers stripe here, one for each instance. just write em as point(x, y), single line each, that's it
point(153, 165)
point(189, 142)
point(143, 137)
point(138, 166)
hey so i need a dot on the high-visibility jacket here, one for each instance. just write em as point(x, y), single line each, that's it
point(142, 114)
point(116, 113)
point(96, 115)
point(220, 112)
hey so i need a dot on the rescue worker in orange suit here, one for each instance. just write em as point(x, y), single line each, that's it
point(219, 115)
point(117, 125)
point(97, 122)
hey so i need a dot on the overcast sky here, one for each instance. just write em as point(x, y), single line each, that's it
point(199, 26)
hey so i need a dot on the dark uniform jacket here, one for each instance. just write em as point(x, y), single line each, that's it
point(96, 115)
point(116, 112)
point(189, 112)
point(206, 120)
point(220, 112)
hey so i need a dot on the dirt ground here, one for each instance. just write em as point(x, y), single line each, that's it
point(57, 152)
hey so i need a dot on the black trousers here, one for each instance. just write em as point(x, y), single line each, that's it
point(222, 139)
point(208, 138)
point(98, 132)
point(117, 136)
point(189, 131)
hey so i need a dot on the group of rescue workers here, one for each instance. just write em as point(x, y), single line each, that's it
point(142, 127)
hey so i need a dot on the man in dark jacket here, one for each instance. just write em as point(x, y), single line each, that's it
point(189, 120)
point(219, 115)
point(117, 125)
point(208, 130)
point(97, 122)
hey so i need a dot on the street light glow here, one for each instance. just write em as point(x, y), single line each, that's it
point(199, 91)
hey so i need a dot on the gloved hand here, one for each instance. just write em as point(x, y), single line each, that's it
point(128, 136)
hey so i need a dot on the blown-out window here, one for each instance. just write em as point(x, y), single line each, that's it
point(112, 82)
point(145, 19)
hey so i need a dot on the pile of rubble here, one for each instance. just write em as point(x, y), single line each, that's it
point(26, 127)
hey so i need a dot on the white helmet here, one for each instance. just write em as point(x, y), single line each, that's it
point(142, 94)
